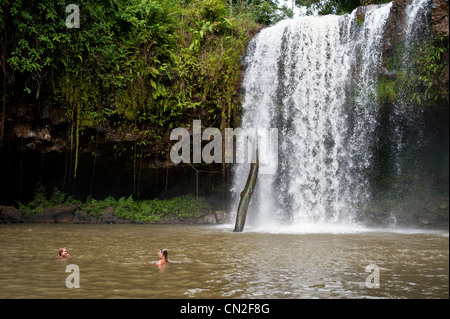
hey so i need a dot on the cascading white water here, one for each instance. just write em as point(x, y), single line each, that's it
point(416, 14)
point(298, 77)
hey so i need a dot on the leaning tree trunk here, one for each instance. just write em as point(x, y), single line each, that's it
point(246, 194)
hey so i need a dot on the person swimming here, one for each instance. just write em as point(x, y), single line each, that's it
point(163, 258)
point(62, 254)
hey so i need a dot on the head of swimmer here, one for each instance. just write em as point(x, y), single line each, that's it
point(163, 254)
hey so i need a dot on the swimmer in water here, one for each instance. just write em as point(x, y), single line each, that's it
point(62, 254)
point(163, 259)
point(162, 256)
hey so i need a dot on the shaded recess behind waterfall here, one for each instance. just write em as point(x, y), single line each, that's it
point(316, 80)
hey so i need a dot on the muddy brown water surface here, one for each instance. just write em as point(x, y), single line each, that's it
point(214, 262)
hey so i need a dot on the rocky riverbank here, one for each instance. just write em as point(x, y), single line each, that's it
point(72, 214)
point(433, 216)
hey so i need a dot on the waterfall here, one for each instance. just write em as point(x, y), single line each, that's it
point(403, 121)
point(315, 80)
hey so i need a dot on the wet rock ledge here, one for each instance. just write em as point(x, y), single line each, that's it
point(64, 214)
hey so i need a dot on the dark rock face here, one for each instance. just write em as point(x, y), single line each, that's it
point(217, 217)
point(56, 214)
point(439, 16)
point(10, 214)
point(223, 216)
point(81, 217)
point(108, 217)
point(440, 26)
point(395, 31)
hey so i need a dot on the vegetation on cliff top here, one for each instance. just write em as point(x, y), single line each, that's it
point(335, 6)
point(141, 67)
point(418, 77)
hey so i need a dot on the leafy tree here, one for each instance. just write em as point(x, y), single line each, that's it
point(323, 7)
point(265, 11)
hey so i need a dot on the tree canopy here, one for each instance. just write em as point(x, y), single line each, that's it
point(323, 7)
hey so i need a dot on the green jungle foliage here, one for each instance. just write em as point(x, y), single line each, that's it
point(419, 76)
point(151, 210)
point(140, 66)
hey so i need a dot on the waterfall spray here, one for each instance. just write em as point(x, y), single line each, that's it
point(315, 80)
